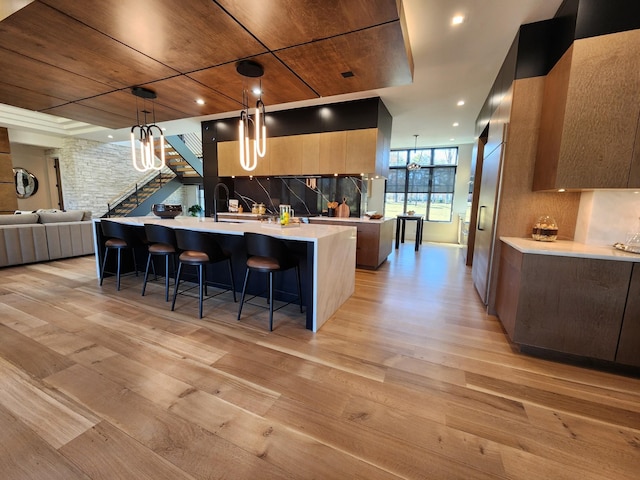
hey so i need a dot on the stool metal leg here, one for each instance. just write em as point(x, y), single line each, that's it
point(176, 285)
point(104, 264)
point(166, 278)
point(201, 289)
point(299, 287)
point(271, 301)
point(233, 282)
point(244, 289)
point(118, 271)
point(146, 275)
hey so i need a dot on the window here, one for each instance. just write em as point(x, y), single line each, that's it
point(429, 189)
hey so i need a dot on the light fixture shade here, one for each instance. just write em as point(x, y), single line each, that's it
point(251, 149)
point(143, 134)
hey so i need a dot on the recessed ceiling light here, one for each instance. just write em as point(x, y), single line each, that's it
point(451, 139)
point(455, 124)
point(109, 136)
point(457, 20)
point(256, 91)
point(460, 103)
point(200, 101)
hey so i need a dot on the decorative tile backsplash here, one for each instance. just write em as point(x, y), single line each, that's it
point(607, 216)
point(306, 195)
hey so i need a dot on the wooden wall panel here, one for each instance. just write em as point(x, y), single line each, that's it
point(8, 198)
point(520, 206)
point(4, 141)
point(554, 100)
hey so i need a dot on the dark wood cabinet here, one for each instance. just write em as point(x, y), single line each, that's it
point(588, 130)
point(374, 240)
point(629, 345)
point(565, 304)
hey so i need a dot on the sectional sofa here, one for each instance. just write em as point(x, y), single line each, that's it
point(44, 235)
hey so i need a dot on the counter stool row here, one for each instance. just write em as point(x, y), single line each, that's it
point(265, 254)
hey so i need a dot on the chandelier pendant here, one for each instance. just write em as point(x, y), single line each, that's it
point(143, 133)
point(251, 148)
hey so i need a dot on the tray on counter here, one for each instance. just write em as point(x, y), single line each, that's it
point(627, 248)
point(278, 225)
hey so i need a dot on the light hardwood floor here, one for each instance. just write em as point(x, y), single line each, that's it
point(410, 379)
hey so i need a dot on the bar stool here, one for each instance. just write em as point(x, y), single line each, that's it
point(200, 249)
point(119, 237)
point(162, 243)
point(268, 255)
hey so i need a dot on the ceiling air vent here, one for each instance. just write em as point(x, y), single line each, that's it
point(347, 74)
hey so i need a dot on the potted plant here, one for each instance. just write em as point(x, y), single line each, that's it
point(195, 210)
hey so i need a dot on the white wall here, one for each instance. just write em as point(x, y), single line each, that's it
point(607, 216)
point(34, 160)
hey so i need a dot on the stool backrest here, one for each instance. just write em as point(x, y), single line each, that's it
point(133, 235)
point(261, 245)
point(160, 234)
point(200, 242)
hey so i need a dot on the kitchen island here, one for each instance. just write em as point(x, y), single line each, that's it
point(327, 255)
point(570, 298)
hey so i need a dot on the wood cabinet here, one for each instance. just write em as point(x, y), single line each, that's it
point(333, 150)
point(351, 152)
point(362, 152)
point(567, 304)
point(285, 155)
point(629, 346)
point(488, 200)
point(374, 241)
point(591, 110)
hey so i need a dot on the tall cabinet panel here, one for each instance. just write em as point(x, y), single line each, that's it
point(590, 116)
point(494, 152)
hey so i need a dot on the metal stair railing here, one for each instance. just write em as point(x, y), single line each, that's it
point(193, 143)
point(133, 192)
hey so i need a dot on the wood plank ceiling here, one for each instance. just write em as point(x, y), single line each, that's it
point(80, 60)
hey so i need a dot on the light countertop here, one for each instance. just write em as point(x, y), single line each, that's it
point(349, 219)
point(566, 248)
point(302, 232)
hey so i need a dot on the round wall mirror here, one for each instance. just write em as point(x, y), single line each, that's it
point(26, 182)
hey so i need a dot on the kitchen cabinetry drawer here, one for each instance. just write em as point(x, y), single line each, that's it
point(629, 345)
point(565, 304)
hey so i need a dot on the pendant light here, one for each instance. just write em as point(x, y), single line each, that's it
point(144, 134)
point(251, 149)
point(413, 165)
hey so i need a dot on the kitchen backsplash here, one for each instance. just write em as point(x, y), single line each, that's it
point(607, 216)
point(306, 195)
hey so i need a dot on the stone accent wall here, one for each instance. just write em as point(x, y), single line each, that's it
point(94, 174)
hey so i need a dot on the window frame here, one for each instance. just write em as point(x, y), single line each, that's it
point(408, 154)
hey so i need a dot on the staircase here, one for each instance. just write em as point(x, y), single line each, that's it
point(132, 199)
point(183, 155)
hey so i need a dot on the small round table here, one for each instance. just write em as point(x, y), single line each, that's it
point(401, 223)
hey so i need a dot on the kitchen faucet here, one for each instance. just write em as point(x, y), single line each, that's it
point(215, 199)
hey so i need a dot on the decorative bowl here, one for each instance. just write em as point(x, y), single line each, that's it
point(166, 211)
point(411, 212)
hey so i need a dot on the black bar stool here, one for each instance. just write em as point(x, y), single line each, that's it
point(162, 243)
point(268, 255)
point(119, 237)
point(200, 249)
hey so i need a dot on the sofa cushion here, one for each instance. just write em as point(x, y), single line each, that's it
point(87, 215)
point(23, 244)
point(19, 219)
point(57, 217)
point(69, 239)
